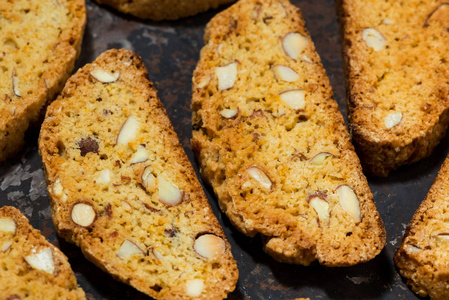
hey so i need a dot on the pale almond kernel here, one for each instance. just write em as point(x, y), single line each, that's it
point(128, 249)
point(246, 184)
point(295, 99)
point(83, 214)
point(279, 113)
point(6, 246)
point(128, 131)
point(15, 84)
point(7, 225)
point(126, 205)
point(104, 76)
point(148, 179)
point(194, 287)
point(392, 120)
point(204, 81)
point(306, 59)
point(158, 255)
point(387, 21)
point(57, 188)
point(141, 155)
point(42, 260)
point(321, 207)
point(209, 245)
point(373, 39)
point(260, 176)
point(169, 193)
point(226, 76)
point(228, 113)
point(349, 202)
point(442, 238)
point(412, 249)
point(104, 177)
point(284, 73)
point(294, 44)
point(319, 158)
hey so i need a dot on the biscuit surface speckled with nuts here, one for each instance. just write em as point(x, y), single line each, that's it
point(423, 255)
point(397, 79)
point(122, 188)
point(272, 143)
point(31, 267)
point(158, 10)
point(39, 42)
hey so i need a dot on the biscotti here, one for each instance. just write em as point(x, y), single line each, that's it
point(272, 143)
point(31, 267)
point(397, 79)
point(122, 188)
point(39, 42)
point(158, 10)
point(422, 257)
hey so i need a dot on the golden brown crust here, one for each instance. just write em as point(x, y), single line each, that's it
point(87, 163)
point(158, 10)
point(22, 280)
point(39, 48)
point(422, 256)
point(246, 131)
point(408, 75)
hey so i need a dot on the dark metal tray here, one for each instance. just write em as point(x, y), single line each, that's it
point(170, 51)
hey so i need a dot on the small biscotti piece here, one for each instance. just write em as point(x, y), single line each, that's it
point(272, 143)
point(122, 188)
point(158, 10)
point(397, 79)
point(39, 42)
point(423, 255)
point(31, 267)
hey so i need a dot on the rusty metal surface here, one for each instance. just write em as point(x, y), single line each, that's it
point(170, 50)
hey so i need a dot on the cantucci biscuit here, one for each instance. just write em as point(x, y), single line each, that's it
point(122, 188)
point(397, 79)
point(39, 42)
point(422, 257)
point(272, 143)
point(158, 10)
point(31, 267)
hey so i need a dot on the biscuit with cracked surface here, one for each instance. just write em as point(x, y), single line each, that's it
point(39, 42)
point(31, 267)
point(397, 79)
point(273, 145)
point(123, 189)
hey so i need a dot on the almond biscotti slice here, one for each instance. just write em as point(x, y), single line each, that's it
point(158, 10)
point(397, 79)
point(31, 267)
point(272, 143)
point(122, 188)
point(423, 255)
point(39, 42)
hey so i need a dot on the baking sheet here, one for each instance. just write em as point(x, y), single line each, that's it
point(170, 51)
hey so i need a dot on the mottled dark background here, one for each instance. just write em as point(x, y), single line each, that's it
point(170, 51)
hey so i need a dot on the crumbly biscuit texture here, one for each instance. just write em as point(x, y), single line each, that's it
point(397, 79)
point(31, 267)
point(158, 10)
point(272, 143)
point(423, 257)
point(122, 188)
point(39, 42)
